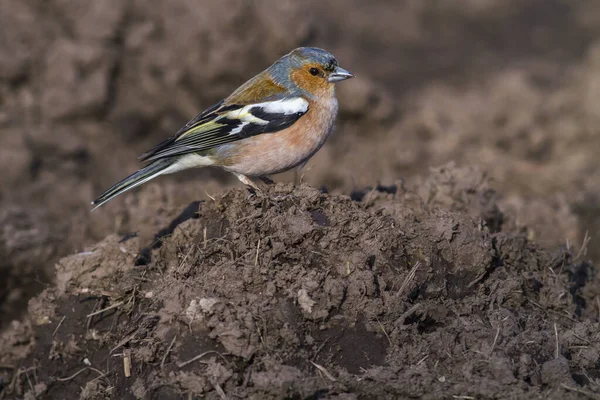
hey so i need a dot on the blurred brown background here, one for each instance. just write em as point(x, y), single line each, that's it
point(510, 86)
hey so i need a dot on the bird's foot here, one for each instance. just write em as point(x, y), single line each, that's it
point(266, 180)
point(252, 192)
point(252, 187)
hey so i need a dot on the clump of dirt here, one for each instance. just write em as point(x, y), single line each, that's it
point(85, 87)
point(295, 293)
point(25, 238)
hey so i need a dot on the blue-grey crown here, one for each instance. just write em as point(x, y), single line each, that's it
point(298, 57)
point(313, 54)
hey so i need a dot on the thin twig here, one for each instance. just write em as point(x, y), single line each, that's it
point(451, 250)
point(384, 332)
point(584, 245)
point(125, 341)
point(582, 339)
point(495, 340)
point(407, 313)
point(199, 356)
point(248, 376)
point(209, 196)
point(100, 374)
point(321, 347)
point(581, 391)
point(132, 301)
point(324, 371)
point(118, 304)
point(186, 256)
point(478, 279)
point(16, 376)
point(369, 197)
point(30, 384)
point(68, 378)
point(13, 381)
point(257, 250)
point(549, 310)
point(88, 324)
point(162, 363)
point(409, 277)
point(59, 324)
point(219, 390)
point(127, 363)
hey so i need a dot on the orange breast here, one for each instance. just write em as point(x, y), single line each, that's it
point(271, 153)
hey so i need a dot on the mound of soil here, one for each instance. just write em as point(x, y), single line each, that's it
point(85, 87)
point(434, 286)
point(432, 292)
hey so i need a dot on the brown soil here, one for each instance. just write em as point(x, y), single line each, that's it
point(301, 294)
point(503, 94)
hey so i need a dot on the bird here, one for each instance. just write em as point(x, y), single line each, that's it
point(274, 122)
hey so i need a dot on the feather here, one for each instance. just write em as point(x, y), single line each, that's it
point(142, 176)
point(224, 124)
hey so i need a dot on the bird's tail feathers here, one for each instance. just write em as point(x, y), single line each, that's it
point(140, 177)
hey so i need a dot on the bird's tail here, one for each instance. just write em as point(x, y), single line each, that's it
point(142, 176)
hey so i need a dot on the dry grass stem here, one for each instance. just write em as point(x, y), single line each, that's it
point(581, 391)
point(324, 371)
point(162, 363)
point(118, 304)
point(199, 356)
point(127, 363)
point(59, 324)
point(409, 278)
point(495, 341)
point(257, 250)
point(384, 332)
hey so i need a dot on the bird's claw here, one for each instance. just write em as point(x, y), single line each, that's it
point(266, 180)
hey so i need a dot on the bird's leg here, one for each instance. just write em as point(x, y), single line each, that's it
point(246, 181)
point(266, 180)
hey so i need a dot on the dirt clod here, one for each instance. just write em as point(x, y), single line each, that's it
point(255, 297)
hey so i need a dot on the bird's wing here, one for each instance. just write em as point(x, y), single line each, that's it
point(225, 123)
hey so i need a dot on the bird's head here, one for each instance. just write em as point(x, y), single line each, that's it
point(311, 69)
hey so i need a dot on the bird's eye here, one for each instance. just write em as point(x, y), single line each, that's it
point(314, 71)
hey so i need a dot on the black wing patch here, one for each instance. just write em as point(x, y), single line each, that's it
point(221, 125)
point(277, 121)
point(204, 116)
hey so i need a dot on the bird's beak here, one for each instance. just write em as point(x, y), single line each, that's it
point(339, 74)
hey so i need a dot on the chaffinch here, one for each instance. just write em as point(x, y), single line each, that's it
point(272, 123)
